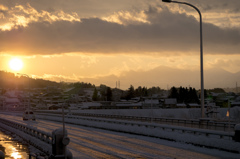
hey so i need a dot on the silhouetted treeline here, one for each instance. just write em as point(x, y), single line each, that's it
point(184, 95)
point(141, 92)
point(81, 85)
point(217, 90)
point(9, 80)
point(105, 93)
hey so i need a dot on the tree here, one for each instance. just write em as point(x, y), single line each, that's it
point(130, 93)
point(217, 90)
point(138, 91)
point(195, 96)
point(145, 92)
point(154, 90)
point(109, 94)
point(182, 95)
point(95, 95)
point(173, 93)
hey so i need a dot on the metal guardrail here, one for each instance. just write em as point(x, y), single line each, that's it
point(171, 128)
point(36, 135)
point(204, 132)
point(194, 123)
point(43, 136)
point(53, 144)
point(199, 137)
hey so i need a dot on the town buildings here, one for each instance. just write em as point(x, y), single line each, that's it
point(50, 98)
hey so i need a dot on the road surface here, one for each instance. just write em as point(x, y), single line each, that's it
point(89, 143)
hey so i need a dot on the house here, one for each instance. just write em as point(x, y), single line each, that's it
point(235, 103)
point(53, 107)
point(151, 103)
point(11, 101)
point(127, 105)
point(41, 105)
point(90, 105)
point(181, 105)
point(88, 92)
point(193, 105)
point(170, 103)
point(116, 94)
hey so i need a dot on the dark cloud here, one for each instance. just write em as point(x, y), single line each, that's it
point(167, 32)
point(82, 7)
point(216, 5)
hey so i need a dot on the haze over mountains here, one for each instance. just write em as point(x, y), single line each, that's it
point(166, 77)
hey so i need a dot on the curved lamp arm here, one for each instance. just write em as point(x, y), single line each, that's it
point(201, 49)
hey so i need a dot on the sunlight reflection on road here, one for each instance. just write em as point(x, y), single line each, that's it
point(15, 154)
point(12, 149)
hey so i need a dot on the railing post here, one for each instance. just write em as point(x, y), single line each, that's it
point(237, 133)
point(59, 145)
point(2, 155)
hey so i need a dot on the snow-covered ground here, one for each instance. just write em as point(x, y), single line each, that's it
point(193, 113)
point(179, 134)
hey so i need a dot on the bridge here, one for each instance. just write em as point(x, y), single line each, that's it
point(86, 140)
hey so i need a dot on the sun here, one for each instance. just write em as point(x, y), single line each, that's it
point(16, 64)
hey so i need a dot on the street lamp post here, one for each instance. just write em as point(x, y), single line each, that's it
point(201, 50)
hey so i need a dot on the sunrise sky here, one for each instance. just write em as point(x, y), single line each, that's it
point(137, 42)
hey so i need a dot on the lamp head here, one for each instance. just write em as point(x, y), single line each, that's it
point(168, 1)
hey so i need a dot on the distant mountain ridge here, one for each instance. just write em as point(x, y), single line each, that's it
point(166, 77)
point(162, 76)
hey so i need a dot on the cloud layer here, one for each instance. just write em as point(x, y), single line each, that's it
point(159, 30)
point(139, 42)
